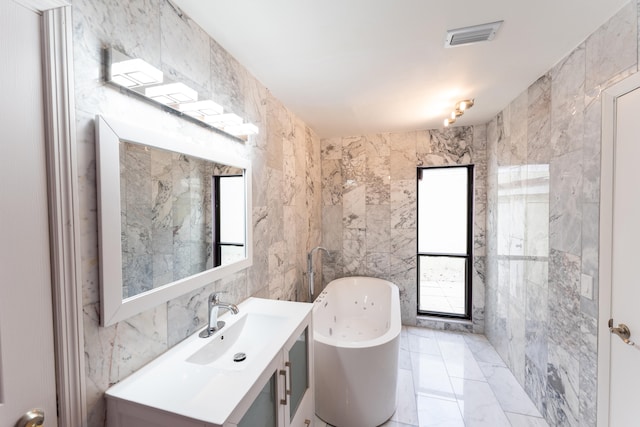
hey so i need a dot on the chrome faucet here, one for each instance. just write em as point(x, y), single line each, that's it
point(214, 306)
point(310, 272)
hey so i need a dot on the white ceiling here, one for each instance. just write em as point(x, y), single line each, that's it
point(352, 67)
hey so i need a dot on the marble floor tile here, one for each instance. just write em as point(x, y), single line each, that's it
point(478, 404)
point(430, 376)
point(423, 332)
point(482, 350)
point(519, 420)
point(464, 383)
point(508, 391)
point(438, 413)
point(460, 361)
point(406, 411)
point(420, 344)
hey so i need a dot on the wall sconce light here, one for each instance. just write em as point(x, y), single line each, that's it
point(140, 77)
point(459, 109)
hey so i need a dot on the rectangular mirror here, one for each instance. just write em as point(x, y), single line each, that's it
point(172, 217)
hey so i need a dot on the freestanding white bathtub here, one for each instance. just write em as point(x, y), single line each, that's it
point(356, 328)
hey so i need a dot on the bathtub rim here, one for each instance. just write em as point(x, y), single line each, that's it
point(395, 327)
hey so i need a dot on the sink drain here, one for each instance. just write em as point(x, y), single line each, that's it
point(239, 357)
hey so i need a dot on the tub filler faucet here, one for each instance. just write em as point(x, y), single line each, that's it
point(310, 272)
point(214, 306)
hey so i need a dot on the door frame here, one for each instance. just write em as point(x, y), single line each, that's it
point(607, 168)
point(64, 227)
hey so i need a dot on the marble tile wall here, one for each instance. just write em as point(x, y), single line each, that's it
point(369, 206)
point(166, 216)
point(542, 223)
point(285, 157)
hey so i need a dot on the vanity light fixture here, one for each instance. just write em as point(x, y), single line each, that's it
point(172, 93)
point(459, 109)
point(149, 83)
point(135, 72)
point(221, 121)
point(242, 129)
point(200, 109)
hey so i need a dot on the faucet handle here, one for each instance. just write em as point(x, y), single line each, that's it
point(214, 298)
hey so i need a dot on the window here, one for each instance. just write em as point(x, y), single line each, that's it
point(445, 204)
point(228, 217)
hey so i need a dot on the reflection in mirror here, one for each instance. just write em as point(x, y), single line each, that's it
point(168, 220)
point(172, 217)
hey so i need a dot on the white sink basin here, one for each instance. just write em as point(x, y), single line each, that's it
point(247, 336)
point(198, 378)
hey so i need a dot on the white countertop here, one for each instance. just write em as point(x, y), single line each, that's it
point(204, 392)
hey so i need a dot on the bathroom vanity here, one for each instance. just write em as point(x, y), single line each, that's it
point(256, 370)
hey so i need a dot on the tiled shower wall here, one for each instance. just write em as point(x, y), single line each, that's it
point(369, 205)
point(285, 158)
point(542, 224)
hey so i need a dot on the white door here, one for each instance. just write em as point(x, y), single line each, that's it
point(625, 283)
point(27, 366)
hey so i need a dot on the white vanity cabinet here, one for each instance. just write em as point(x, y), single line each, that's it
point(284, 397)
point(182, 388)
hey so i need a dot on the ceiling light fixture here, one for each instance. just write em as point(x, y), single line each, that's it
point(149, 83)
point(459, 109)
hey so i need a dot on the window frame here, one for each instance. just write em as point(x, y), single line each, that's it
point(216, 232)
point(468, 256)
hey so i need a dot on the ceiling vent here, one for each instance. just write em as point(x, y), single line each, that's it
point(473, 34)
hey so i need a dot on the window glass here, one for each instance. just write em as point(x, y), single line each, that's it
point(444, 240)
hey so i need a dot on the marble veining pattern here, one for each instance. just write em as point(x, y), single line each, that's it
point(369, 198)
point(285, 157)
point(553, 231)
point(449, 379)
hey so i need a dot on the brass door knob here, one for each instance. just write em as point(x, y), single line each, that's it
point(622, 331)
point(33, 418)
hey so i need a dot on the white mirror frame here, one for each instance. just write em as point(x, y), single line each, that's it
point(109, 133)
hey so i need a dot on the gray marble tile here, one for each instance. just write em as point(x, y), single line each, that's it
point(404, 204)
point(519, 420)
point(539, 121)
point(565, 227)
point(478, 404)
point(438, 412)
point(508, 391)
point(562, 393)
point(378, 264)
point(519, 109)
point(591, 153)
point(378, 220)
point(332, 182)
point(331, 149)
point(354, 207)
point(516, 345)
point(187, 314)
point(378, 180)
point(588, 371)
point(564, 299)
point(177, 31)
point(613, 48)
point(354, 162)
point(403, 156)
point(568, 103)
point(354, 252)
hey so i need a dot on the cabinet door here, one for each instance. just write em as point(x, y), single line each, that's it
point(298, 361)
point(263, 412)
